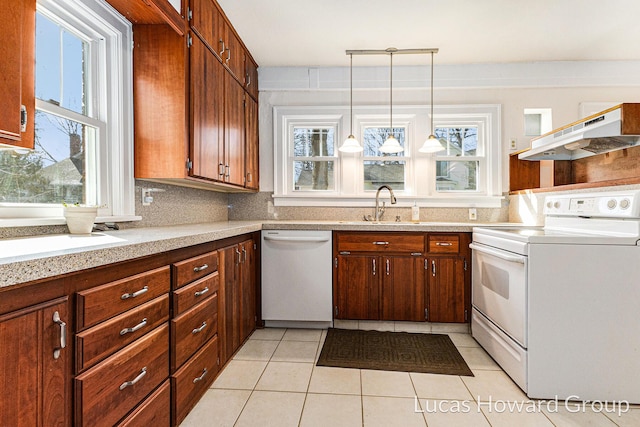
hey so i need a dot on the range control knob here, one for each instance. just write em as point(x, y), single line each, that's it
point(556, 205)
point(611, 204)
point(549, 204)
point(625, 203)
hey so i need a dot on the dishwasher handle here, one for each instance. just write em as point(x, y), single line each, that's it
point(498, 254)
point(295, 239)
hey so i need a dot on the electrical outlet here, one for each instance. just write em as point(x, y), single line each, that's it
point(513, 143)
point(270, 209)
point(473, 214)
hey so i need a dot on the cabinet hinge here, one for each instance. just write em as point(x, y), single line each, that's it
point(426, 264)
point(335, 262)
point(426, 314)
point(465, 265)
point(466, 315)
point(189, 14)
point(336, 311)
point(255, 246)
point(218, 362)
point(189, 164)
point(189, 40)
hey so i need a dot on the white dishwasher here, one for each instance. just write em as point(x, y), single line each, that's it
point(296, 278)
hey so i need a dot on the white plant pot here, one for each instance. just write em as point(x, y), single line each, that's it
point(80, 219)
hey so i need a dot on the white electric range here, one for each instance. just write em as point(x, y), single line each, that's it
point(558, 306)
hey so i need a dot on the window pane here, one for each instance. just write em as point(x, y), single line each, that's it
point(377, 173)
point(310, 142)
point(60, 66)
point(56, 171)
point(456, 176)
point(374, 137)
point(459, 141)
point(313, 175)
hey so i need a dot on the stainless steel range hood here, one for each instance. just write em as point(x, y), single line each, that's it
point(612, 129)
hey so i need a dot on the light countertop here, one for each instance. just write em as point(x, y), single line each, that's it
point(31, 258)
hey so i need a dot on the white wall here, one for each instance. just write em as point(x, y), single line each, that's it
point(561, 86)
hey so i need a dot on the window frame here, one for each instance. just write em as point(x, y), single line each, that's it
point(112, 106)
point(420, 167)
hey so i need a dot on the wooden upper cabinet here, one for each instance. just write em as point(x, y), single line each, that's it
point(251, 77)
point(234, 55)
point(150, 12)
point(234, 132)
point(208, 23)
point(252, 145)
point(207, 113)
point(17, 51)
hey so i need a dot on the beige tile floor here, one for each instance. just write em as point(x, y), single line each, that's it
point(273, 381)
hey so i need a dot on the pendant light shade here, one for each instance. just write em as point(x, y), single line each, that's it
point(351, 144)
point(432, 144)
point(391, 145)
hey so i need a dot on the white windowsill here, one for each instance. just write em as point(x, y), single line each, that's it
point(34, 222)
point(465, 201)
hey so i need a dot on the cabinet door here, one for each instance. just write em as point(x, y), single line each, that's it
point(446, 289)
point(35, 369)
point(402, 289)
point(251, 77)
point(357, 288)
point(207, 112)
point(248, 301)
point(229, 304)
point(17, 72)
point(234, 131)
point(234, 55)
point(251, 144)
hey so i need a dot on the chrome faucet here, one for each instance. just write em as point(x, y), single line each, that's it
point(379, 211)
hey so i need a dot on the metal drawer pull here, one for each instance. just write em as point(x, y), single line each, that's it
point(387, 266)
point(228, 55)
point(374, 266)
point(380, 243)
point(135, 380)
point(201, 377)
point(135, 294)
point(202, 292)
point(433, 268)
point(63, 334)
point(139, 326)
point(223, 47)
point(201, 268)
point(200, 329)
point(244, 255)
point(444, 244)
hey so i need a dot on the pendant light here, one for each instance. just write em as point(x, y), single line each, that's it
point(351, 144)
point(391, 145)
point(432, 144)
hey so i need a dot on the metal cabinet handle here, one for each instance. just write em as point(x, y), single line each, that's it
point(23, 118)
point(201, 377)
point(228, 55)
point(139, 326)
point(387, 266)
point(248, 79)
point(380, 243)
point(135, 294)
point(223, 47)
point(202, 292)
point(444, 244)
point(201, 268)
point(237, 256)
point(200, 329)
point(244, 255)
point(433, 268)
point(63, 334)
point(374, 266)
point(135, 380)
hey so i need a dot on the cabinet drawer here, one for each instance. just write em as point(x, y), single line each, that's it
point(97, 342)
point(188, 296)
point(191, 381)
point(381, 242)
point(444, 243)
point(105, 301)
point(154, 411)
point(109, 390)
point(194, 268)
point(192, 329)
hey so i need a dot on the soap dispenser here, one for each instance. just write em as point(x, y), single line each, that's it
point(415, 212)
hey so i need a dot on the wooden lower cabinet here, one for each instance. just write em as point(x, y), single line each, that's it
point(154, 411)
point(238, 296)
point(402, 276)
point(35, 366)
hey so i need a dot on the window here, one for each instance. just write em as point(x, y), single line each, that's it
point(83, 133)
point(313, 158)
point(380, 168)
point(310, 171)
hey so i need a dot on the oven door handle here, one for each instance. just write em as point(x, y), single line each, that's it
point(498, 254)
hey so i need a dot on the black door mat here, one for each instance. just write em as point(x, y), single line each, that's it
point(392, 351)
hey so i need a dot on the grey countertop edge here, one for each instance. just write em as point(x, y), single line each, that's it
point(139, 242)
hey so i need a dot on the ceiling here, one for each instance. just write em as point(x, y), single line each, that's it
point(317, 32)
